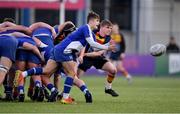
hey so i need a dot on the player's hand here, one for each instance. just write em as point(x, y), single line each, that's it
point(122, 56)
point(112, 48)
point(80, 59)
point(99, 53)
point(112, 42)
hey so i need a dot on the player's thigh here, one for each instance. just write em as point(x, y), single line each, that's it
point(21, 65)
point(6, 62)
point(109, 67)
point(120, 65)
point(50, 67)
point(70, 67)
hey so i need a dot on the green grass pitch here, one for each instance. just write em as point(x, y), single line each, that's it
point(144, 95)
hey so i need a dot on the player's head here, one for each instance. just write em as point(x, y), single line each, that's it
point(115, 29)
point(9, 20)
point(106, 27)
point(68, 28)
point(93, 20)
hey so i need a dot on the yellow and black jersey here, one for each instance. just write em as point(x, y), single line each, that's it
point(99, 39)
point(102, 40)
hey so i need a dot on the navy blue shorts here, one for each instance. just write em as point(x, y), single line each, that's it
point(88, 62)
point(8, 46)
point(59, 56)
point(28, 56)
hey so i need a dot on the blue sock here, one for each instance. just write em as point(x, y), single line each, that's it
point(68, 84)
point(37, 83)
point(51, 87)
point(35, 71)
point(21, 89)
point(84, 89)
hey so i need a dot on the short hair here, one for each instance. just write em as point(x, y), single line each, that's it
point(92, 15)
point(105, 23)
point(9, 20)
point(69, 27)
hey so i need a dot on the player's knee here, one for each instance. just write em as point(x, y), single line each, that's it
point(46, 72)
point(4, 68)
point(113, 71)
point(71, 73)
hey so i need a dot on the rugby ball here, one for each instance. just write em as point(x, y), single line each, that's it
point(157, 49)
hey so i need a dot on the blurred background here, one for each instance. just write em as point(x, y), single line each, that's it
point(143, 23)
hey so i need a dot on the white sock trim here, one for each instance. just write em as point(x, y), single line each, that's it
point(108, 85)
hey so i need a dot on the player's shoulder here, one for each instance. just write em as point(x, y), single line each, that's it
point(83, 26)
point(95, 31)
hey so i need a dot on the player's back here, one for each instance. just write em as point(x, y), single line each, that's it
point(44, 34)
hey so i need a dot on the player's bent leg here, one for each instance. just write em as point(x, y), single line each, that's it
point(111, 69)
point(81, 85)
point(69, 68)
point(125, 73)
point(48, 70)
point(30, 89)
point(54, 91)
point(5, 65)
point(7, 89)
point(80, 72)
point(10, 85)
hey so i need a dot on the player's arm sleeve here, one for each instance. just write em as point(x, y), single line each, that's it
point(94, 44)
point(91, 42)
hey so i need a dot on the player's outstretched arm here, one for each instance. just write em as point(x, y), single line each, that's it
point(33, 48)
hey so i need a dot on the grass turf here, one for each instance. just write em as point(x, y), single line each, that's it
point(145, 94)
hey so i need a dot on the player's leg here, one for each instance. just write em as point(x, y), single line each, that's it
point(5, 65)
point(82, 68)
point(48, 70)
point(82, 86)
point(30, 88)
point(80, 72)
point(8, 85)
point(20, 65)
point(125, 73)
point(71, 73)
point(57, 79)
point(36, 81)
point(111, 69)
